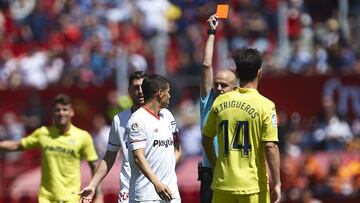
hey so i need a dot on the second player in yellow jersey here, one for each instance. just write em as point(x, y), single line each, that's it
point(60, 160)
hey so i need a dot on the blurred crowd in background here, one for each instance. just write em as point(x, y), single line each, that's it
point(81, 42)
point(87, 43)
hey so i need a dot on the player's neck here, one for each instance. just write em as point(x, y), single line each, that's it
point(64, 128)
point(153, 107)
point(135, 107)
point(250, 85)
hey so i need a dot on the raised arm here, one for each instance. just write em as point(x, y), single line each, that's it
point(207, 71)
point(273, 160)
point(102, 170)
point(10, 145)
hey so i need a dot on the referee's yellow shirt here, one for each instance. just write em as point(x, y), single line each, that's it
point(60, 160)
point(242, 119)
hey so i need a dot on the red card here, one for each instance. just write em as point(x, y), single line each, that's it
point(222, 11)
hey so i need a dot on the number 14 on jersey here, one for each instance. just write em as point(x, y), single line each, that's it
point(240, 137)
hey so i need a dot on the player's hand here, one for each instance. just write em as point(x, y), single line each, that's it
point(276, 194)
point(163, 191)
point(213, 22)
point(99, 199)
point(87, 194)
point(123, 197)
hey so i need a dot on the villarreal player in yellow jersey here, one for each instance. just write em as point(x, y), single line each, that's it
point(62, 147)
point(246, 125)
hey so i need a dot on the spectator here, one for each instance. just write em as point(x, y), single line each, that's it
point(155, 28)
point(190, 130)
point(32, 69)
point(308, 197)
point(300, 60)
point(15, 130)
point(332, 132)
point(100, 134)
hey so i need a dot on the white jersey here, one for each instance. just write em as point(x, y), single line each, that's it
point(118, 138)
point(154, 134)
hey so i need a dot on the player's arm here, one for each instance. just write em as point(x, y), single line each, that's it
point(177, 145)
point(101, 171)
point(140, 160)
point(207, 71)
point(273, 159)
point(89, 153)
point(177, 151)
point(176, 137)
point(137, 145)
point(209, 149)
point(208, 133)
point(270, 139)
point(9, 145)
point(106, 163)
point(98, 191)
point(88, 193)
point(92, 166)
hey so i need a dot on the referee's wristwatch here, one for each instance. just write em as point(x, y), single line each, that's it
point(211, 31)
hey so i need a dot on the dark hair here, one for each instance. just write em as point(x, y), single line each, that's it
point(62, 99)
point(152, 84)
point(136, 76)
point(248, 62)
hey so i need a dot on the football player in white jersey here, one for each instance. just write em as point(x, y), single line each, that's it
point(151, 146)
point(118, 140)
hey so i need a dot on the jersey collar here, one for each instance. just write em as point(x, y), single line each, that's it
point(58, 133)
point(247, 90)
point(156, 116)
point(68, 132)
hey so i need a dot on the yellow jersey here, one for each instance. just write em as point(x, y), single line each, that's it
point(243, 120)
point(60, 160)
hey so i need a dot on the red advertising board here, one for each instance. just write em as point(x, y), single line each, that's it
point(303, 94)
point(291, 93)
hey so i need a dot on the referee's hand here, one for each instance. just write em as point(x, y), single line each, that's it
point(163, 191)
point(213, 22)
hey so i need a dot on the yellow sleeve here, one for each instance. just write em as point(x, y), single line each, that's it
point(32, 141)
point(270, 130)
point(88, 149)
point(210, 127)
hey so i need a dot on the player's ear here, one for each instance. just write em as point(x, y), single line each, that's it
point(259, 74)
point(72, 112)
point(160, 92)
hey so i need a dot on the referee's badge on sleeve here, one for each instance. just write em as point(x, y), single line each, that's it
point(274, 119)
